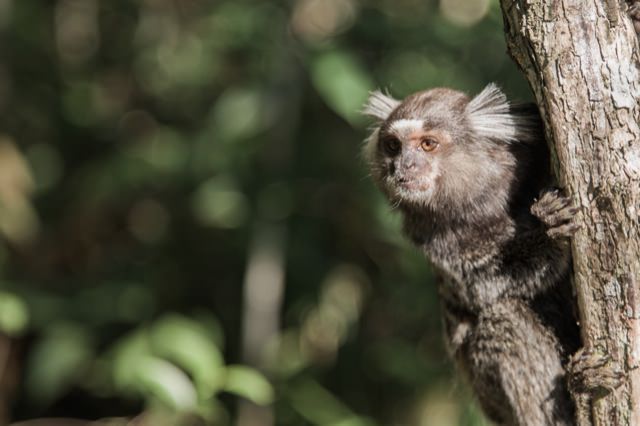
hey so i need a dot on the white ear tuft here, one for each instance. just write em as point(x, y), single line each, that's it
point(379, 105)
point(489, 115)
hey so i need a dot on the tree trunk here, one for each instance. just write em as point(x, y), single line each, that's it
point(581, 59)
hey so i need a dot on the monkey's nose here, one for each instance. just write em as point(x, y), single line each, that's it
point(408, 164)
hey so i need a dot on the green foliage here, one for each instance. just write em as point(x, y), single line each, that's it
point(176, 363)
point(342, 82)
point(57, 361)
point(14, 314)
point(248, 383)
point(166, 166)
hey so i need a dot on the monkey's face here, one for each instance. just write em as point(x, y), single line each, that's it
point(441, 148)
point(409, 156)
point(411, 152)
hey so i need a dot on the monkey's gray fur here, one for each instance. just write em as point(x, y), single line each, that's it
point(471, 178)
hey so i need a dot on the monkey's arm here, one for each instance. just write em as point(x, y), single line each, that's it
point(539, 255)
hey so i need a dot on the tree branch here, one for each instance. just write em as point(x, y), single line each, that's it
point(581, 60)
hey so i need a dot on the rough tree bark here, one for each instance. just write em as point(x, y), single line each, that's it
point(581, 60)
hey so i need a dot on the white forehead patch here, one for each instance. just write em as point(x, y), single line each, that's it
point(404, 127)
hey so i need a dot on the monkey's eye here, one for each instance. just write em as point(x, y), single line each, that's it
point(391, 145)
point(428, 144)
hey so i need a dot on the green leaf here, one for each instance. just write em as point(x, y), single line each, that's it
point(137, 368)
point(343, 84)
point(165, 150)
point(248, 383)
point(239, 113)
point(219, 203)
point(57, 361)
point(320, 407)
point(14, 314)
point(129, 354)
point(166, 382)
point(189, 345)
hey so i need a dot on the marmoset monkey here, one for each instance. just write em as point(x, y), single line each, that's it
point(471, 178)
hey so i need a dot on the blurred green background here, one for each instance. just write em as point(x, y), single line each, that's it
point(189, 235)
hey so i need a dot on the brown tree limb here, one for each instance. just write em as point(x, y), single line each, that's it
point(581, 60)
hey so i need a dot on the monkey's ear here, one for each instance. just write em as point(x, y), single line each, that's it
point(489, 115)
point(379, 105)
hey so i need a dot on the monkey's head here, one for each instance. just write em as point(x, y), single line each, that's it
point(440, 147)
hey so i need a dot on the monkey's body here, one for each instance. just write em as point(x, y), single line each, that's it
point(513, 349)
point(465, 174)
point(509, 333)
point(514, 363)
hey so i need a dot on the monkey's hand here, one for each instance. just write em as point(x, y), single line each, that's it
point(591, 372)
point(557, 213)
point(590, 376)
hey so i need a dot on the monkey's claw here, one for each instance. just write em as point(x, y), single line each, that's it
point(591, 372)
point(557, 212)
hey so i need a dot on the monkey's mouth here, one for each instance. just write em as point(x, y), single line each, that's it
point(409, 184)
point(411, 190)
